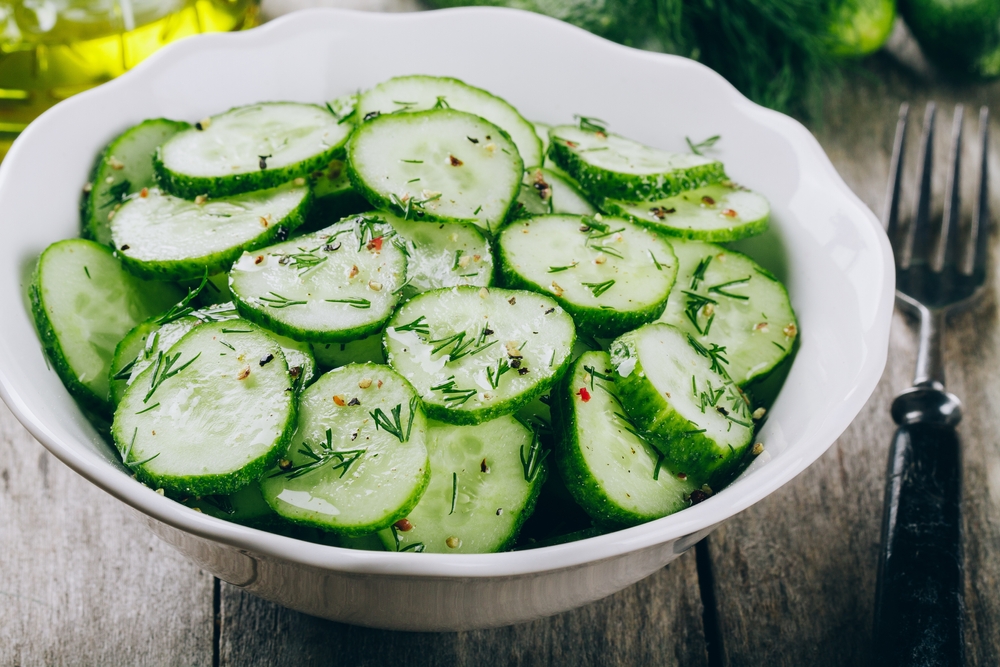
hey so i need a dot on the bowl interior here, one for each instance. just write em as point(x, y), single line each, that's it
point(826, 246)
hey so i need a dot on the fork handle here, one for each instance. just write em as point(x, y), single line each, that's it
point(919, 607)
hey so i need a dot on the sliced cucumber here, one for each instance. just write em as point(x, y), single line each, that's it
point(84, 303)
point(418, 93)
point(545, 192)
point(358, 461)
point(436, 165)
point(165, 237)
point(335, 355)
point(610, 166)
point(211, 414)
point(250, 148)
point(677, 395)
point(335, 285)
point(612, 472)
point(481, 489)
point(720, 212)
point(474, 354)
point(542, 132)
point(247, 506)
point(442, 254)
point(124, 168)
point(727, 299)
point(610, 275)
point(160, 333)
point(334, 196)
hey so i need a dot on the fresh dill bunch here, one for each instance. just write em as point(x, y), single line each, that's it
point(779, 53)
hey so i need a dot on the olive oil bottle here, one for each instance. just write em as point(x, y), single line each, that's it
point(51, 49)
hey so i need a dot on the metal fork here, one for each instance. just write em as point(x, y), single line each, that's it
point(919, 606)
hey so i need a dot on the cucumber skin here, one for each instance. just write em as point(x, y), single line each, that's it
point(220, 262)
point(377, 201)
point(593, 322)
point(609, 207)
point(601, 184)
point(91, 228)
point(586, 490)
point(189, 187)
point(224, 484)
point(692, 455)
point(123, 357)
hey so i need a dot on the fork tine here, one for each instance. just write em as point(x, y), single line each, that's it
point(891, 216)
point(974, 262)
point(952, 195)
point(915, 243)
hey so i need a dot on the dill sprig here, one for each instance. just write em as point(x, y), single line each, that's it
point(118, 192)
point(557, 269)
point(462, 346)
point(705, 144)
point(454, 396)
point(304, 261)
point(720, 289)
point(317, 459)
point(353, 303)
point(454, 492)
point(416, 547)
point(418, 325)
point(699, 272)
point(495, 371)
point(182, 308)
point(163, 370)
point(395, 425)
point(592, 372)
point(532, 463)
point(599, 288)
point(588, 124)
point(128, 452)
point(278, 301)
point(693, 305)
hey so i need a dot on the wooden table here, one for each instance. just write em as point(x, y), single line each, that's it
point(788, 582)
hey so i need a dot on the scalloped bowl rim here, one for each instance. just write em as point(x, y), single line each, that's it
point(728, 502)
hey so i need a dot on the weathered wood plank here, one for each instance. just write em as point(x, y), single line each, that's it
point(795, 575)
point(657, 621)
point(81, 581)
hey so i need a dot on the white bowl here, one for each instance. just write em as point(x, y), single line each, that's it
point(824, 243)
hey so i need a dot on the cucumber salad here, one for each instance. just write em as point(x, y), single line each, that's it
point(412, 320)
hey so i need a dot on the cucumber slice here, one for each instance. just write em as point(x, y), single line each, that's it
point(610, 275)
point(542, 132)
point(250, 148)
point(335, 355)
point(442, 254)
point(612, 472)
point(418, 93)
point(474, 354)
point(358, 461)
point(720, 212)
point(216, 291)
point(726, 298)
point(677, 394)
point(165, 237)
point(545, 192)
point(610, 166)
point(335, 285)
point(84, 303)
point(211, 414)
point(334, 197)
point(480, 491)
point(436, 165)
point(247, 506)
point(124, 168)
point(160, 333)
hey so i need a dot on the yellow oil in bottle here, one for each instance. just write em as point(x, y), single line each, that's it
point(51, 49)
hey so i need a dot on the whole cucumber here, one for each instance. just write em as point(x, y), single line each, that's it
point(960, 36)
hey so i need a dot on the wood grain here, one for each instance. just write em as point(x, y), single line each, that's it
point(795, 574)
point(81, 581)
point(655, 622)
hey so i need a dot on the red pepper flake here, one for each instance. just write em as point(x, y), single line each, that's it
point(455, 162)
point(572, 144)
point(403, 525)
point(258, 259)
point(375, 243)
point(339, 400)
point(144, 193)
point(583, 394)
point(707, 201)
point(682, 476)
point(729, 213)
